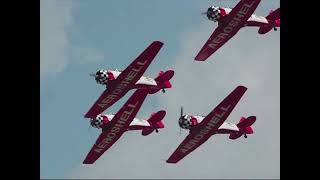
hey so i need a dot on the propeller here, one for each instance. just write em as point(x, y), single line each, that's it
point(181, 114)
point(90, 132)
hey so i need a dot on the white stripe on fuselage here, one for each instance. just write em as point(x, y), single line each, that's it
point(143, 80)
point(135, 122)
point(256, 18)
point(253, 17)
point(225, 125)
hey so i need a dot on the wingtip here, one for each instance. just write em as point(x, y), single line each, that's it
point(87, 116)
point(157, 43)
point(86, 162)
point(162, 112)
point(170, 70)
point(171, 162)
point(242, 87)
point(197, 59)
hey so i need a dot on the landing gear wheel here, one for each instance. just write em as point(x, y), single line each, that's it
point(275, 29)
point(163, 90)
point(157, 130)
point(245, 136)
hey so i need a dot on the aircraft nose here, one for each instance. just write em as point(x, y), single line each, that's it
point(92, 122)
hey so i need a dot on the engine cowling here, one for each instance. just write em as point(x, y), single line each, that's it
point(214, 13)
point(187, 121)
point(99, 121)
point(102, 77)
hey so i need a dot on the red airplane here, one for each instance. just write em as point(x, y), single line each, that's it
point(113, 126)
point(203, 127)
point(119, 83)
point(230, 21)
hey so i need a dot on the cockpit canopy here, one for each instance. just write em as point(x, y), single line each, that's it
point(213, 13)
point(101, 77)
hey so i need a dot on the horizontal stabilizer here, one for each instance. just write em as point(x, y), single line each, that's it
point(157, 117)
point(163, 81)
point(146, 132)
point(165, 76)
point(246, 122)
point(155, 122)
point(235, 136)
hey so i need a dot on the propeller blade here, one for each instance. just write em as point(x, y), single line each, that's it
point(181, 114)
point(90, 132)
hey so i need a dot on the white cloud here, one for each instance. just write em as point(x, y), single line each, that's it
point(56, 49)
point(248, 59)
point(86, 54)
point(55, 18)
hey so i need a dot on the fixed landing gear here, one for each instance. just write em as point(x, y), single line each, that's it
point(245, 136)
point(163, 90)
point(275, 29)
point(157, 130)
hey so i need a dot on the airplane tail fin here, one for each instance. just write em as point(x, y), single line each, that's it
point(155, 121)
point(163, 80)
point(274, 21)
point(274, 15)
point(244, 126)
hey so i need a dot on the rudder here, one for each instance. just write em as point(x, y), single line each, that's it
point(155, 122)
point(163, 81)
point(274, 21)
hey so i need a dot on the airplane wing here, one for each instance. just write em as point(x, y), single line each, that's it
point(125, 80)
point(228, 28)
point(117, 126)
point(208, 126)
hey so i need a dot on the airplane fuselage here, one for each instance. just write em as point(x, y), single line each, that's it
point(221, 13)
point(254, 20)
point(136, 123)
point(144, 81)
point(225, 128)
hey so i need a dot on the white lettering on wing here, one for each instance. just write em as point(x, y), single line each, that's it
point(212, 123)
point(122, 85)
point(234, 22)
point(118, 127)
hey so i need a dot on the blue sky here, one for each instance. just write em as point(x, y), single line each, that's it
point(80, 37)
